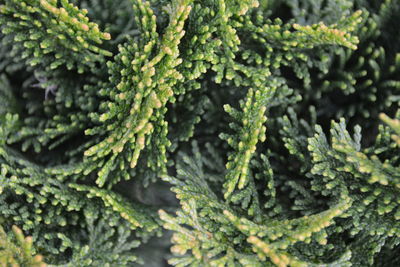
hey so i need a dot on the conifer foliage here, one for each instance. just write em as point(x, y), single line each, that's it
point(275, 124)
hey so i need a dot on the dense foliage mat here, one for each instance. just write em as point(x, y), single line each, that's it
point(248, 133)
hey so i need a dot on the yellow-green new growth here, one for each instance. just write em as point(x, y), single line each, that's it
point(144, 87)
point(250, 130)
point(17, 250)
point(318, 34)
point(272, 238)
point(394, 124)
point(56, 30)
point(135, 214)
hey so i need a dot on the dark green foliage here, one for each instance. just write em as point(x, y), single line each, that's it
point(275, 123)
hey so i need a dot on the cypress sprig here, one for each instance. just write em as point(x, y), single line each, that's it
point(146, 105)
point(250, 131)
point(20, 253)
point(55, 30)
point(394, 124)
point(136, 215)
